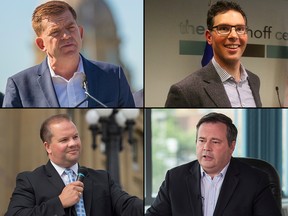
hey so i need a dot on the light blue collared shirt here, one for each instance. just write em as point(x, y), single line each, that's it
point(70, 92)
point(239, 93)
point(210, 189)
point(60, 171)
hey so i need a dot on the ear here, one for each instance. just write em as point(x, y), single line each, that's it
point(81, 30)
point(208, 36)
point(47, 147)
point(40, 43)
point(232, 147)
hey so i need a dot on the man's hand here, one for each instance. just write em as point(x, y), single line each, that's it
point(71, 194)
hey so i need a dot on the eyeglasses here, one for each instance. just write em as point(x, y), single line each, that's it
point(226, 29)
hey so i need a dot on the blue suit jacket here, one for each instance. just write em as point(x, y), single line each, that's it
point(33, 87)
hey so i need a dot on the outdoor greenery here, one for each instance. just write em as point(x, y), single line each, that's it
point(172, 144)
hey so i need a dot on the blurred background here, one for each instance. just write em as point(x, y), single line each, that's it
point(113, 32)
point(21, 148)
point(175, 41)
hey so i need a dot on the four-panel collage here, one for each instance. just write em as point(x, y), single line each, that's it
point(148, 107)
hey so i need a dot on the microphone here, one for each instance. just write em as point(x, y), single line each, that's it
point(201, 197)
point(82, 173)
point(277, 91)
point(85, 87)
point(85, 83)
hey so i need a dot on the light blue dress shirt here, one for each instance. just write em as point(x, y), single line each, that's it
point(239, 93)
point(210, 189)
point(70, 92)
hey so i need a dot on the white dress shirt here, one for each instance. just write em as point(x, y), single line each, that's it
point(62, 174)
point(70, 92)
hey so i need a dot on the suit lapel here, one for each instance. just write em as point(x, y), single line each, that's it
point(228, 187)
point(54, 178)
point(57, 182)
point(46, 85)
point(216, 91)
point(214, 87)
point(88, 194)
point(193, 188)
point(91, 73)
point(217, 94)
point(255, 92)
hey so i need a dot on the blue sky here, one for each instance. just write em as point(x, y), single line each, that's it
point(17, 37)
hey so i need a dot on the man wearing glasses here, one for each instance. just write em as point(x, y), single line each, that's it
point(224, 81)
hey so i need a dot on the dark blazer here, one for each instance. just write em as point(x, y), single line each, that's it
point(205, 89)
point(245, 192)
point(33, 87)
point(37, 192)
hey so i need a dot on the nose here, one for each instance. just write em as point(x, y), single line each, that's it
point(72, 142)
point(66, 34)
point(233, 33)
point(207, 146)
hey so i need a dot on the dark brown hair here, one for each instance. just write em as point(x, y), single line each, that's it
point(213, 117)
point(222, 7)
point(48, 9)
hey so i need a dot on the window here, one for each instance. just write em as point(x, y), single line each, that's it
point(171, 135)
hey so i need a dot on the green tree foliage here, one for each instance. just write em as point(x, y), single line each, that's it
point(168, 130)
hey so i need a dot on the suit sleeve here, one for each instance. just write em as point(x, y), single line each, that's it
point(162, 204)
point(123, 203)
point(23, 201)
point(126, 97)
point(12, 97)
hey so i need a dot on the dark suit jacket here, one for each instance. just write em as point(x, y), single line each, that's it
point(205, 89)
point(33, 87)
point(245, 192)
point(37, 192)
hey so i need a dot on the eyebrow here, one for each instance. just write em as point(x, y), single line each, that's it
point(57, 27)
point(213, 138)
point(71, 23)
point(226, 24)
point(217, 139)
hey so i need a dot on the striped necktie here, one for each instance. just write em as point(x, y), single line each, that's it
point(80, 205)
